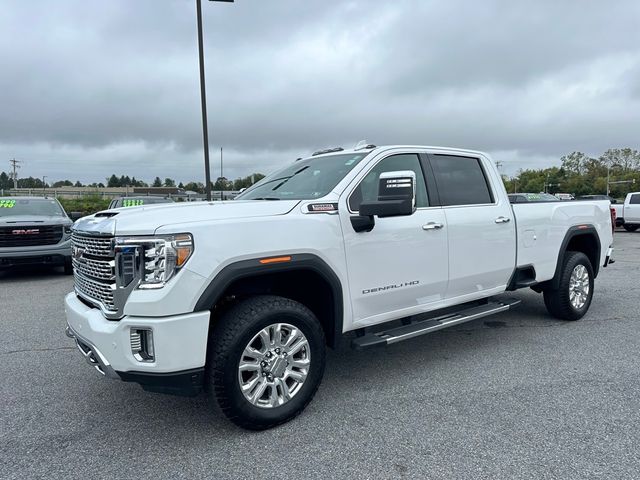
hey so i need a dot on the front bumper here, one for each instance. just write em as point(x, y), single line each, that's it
point(36, 255)
point(180, 341)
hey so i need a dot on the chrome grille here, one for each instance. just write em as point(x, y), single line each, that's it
point(94, 270)
point(94, 290)
point(96, 246)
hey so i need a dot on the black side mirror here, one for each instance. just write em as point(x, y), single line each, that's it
point(75, 215)
point(396, 195)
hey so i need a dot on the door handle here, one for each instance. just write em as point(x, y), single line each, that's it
point(502, 220)
point(432, 226)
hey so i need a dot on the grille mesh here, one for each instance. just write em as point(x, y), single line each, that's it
point(96, 246)
point(94, 271)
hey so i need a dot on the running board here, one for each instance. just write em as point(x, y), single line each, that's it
point(423, 327)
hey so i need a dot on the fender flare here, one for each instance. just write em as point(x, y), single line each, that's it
point(252, 268)
point(576, 231)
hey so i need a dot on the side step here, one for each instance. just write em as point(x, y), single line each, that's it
point(423, 327)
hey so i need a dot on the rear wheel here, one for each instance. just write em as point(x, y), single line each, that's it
point(631, 228)
point(266, 361)
point(572, 298)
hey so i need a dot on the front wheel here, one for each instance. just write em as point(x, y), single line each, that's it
point(630, 228)
point(266, 361)
point(572, 298)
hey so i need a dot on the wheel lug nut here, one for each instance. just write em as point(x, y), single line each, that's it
point(285, 354)
point(277, 350)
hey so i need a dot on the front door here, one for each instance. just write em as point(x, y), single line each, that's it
point(632, 210)
point(402, 264)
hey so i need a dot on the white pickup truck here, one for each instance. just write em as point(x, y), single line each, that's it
point(628, 213)
point(240, 298)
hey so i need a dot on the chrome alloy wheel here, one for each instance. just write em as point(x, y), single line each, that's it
point(579, 287)
point(274, 365)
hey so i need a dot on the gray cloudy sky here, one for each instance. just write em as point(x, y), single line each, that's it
point(94, 87)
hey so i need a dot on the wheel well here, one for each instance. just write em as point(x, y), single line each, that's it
point(306, 286)
point(588, 244)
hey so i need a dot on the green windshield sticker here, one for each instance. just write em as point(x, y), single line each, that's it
point(132, 203)
point(7, 203)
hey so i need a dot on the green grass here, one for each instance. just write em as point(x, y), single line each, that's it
point(87, 205)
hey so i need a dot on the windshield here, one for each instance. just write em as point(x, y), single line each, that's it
point(19, 206)
point(305, 179)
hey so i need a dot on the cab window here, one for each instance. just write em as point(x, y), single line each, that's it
point(367, 190)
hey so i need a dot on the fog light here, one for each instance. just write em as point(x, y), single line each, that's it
point(142, 344)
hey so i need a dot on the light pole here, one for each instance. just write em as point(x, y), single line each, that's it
point(44, 185)
point(203, 97)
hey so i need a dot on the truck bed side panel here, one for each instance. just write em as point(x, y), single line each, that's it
point(541, 228)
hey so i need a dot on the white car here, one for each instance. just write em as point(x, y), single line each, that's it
point(628, 213)
point(240, 298)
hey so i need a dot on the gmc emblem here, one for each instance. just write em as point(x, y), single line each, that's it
point(33, 231)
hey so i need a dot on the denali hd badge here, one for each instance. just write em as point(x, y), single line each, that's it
point(390, 287)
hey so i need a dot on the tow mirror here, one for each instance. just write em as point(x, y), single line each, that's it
point(396, 195)
point(75, 215)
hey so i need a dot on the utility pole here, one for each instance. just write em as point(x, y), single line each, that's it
point(44, 185)
point(203, 97)
point(221, 176)
point(14, 163)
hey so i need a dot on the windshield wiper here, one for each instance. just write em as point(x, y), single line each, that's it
point(286, 179)
point(266, 198)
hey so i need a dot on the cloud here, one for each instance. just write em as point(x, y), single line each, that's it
point(94, 88)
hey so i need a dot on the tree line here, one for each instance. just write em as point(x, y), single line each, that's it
point(580, 174)
point(222, 183)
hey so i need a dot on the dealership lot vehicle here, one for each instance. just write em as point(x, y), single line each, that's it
point(628, 213)
point(532, 197)
point(137, 201)
point(34, 231)
point(524, 395)
point(356, 241)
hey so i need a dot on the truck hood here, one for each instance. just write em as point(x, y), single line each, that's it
point(147, 219)
point(12, 220)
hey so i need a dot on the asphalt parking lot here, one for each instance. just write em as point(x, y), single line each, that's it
point(518, 395)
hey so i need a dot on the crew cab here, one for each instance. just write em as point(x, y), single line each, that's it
point(241, 298)
point(628, 213)
point(34, 231)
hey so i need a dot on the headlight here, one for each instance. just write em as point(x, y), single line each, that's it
point(159, 258)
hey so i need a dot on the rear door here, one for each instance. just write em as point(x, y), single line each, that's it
point(480, 223)
point(632, 209)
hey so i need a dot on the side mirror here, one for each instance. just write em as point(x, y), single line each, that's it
point(75, 215)
point(396, 195)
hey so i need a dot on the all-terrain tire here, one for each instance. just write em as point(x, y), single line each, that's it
point(630, 228)
point(558, 301)
point(227, 341)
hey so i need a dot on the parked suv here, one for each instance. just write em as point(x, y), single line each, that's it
point(34, 231)
point(241, 297)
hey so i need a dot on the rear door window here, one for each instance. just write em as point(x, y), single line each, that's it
point(635, 199)
point(461, 180)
